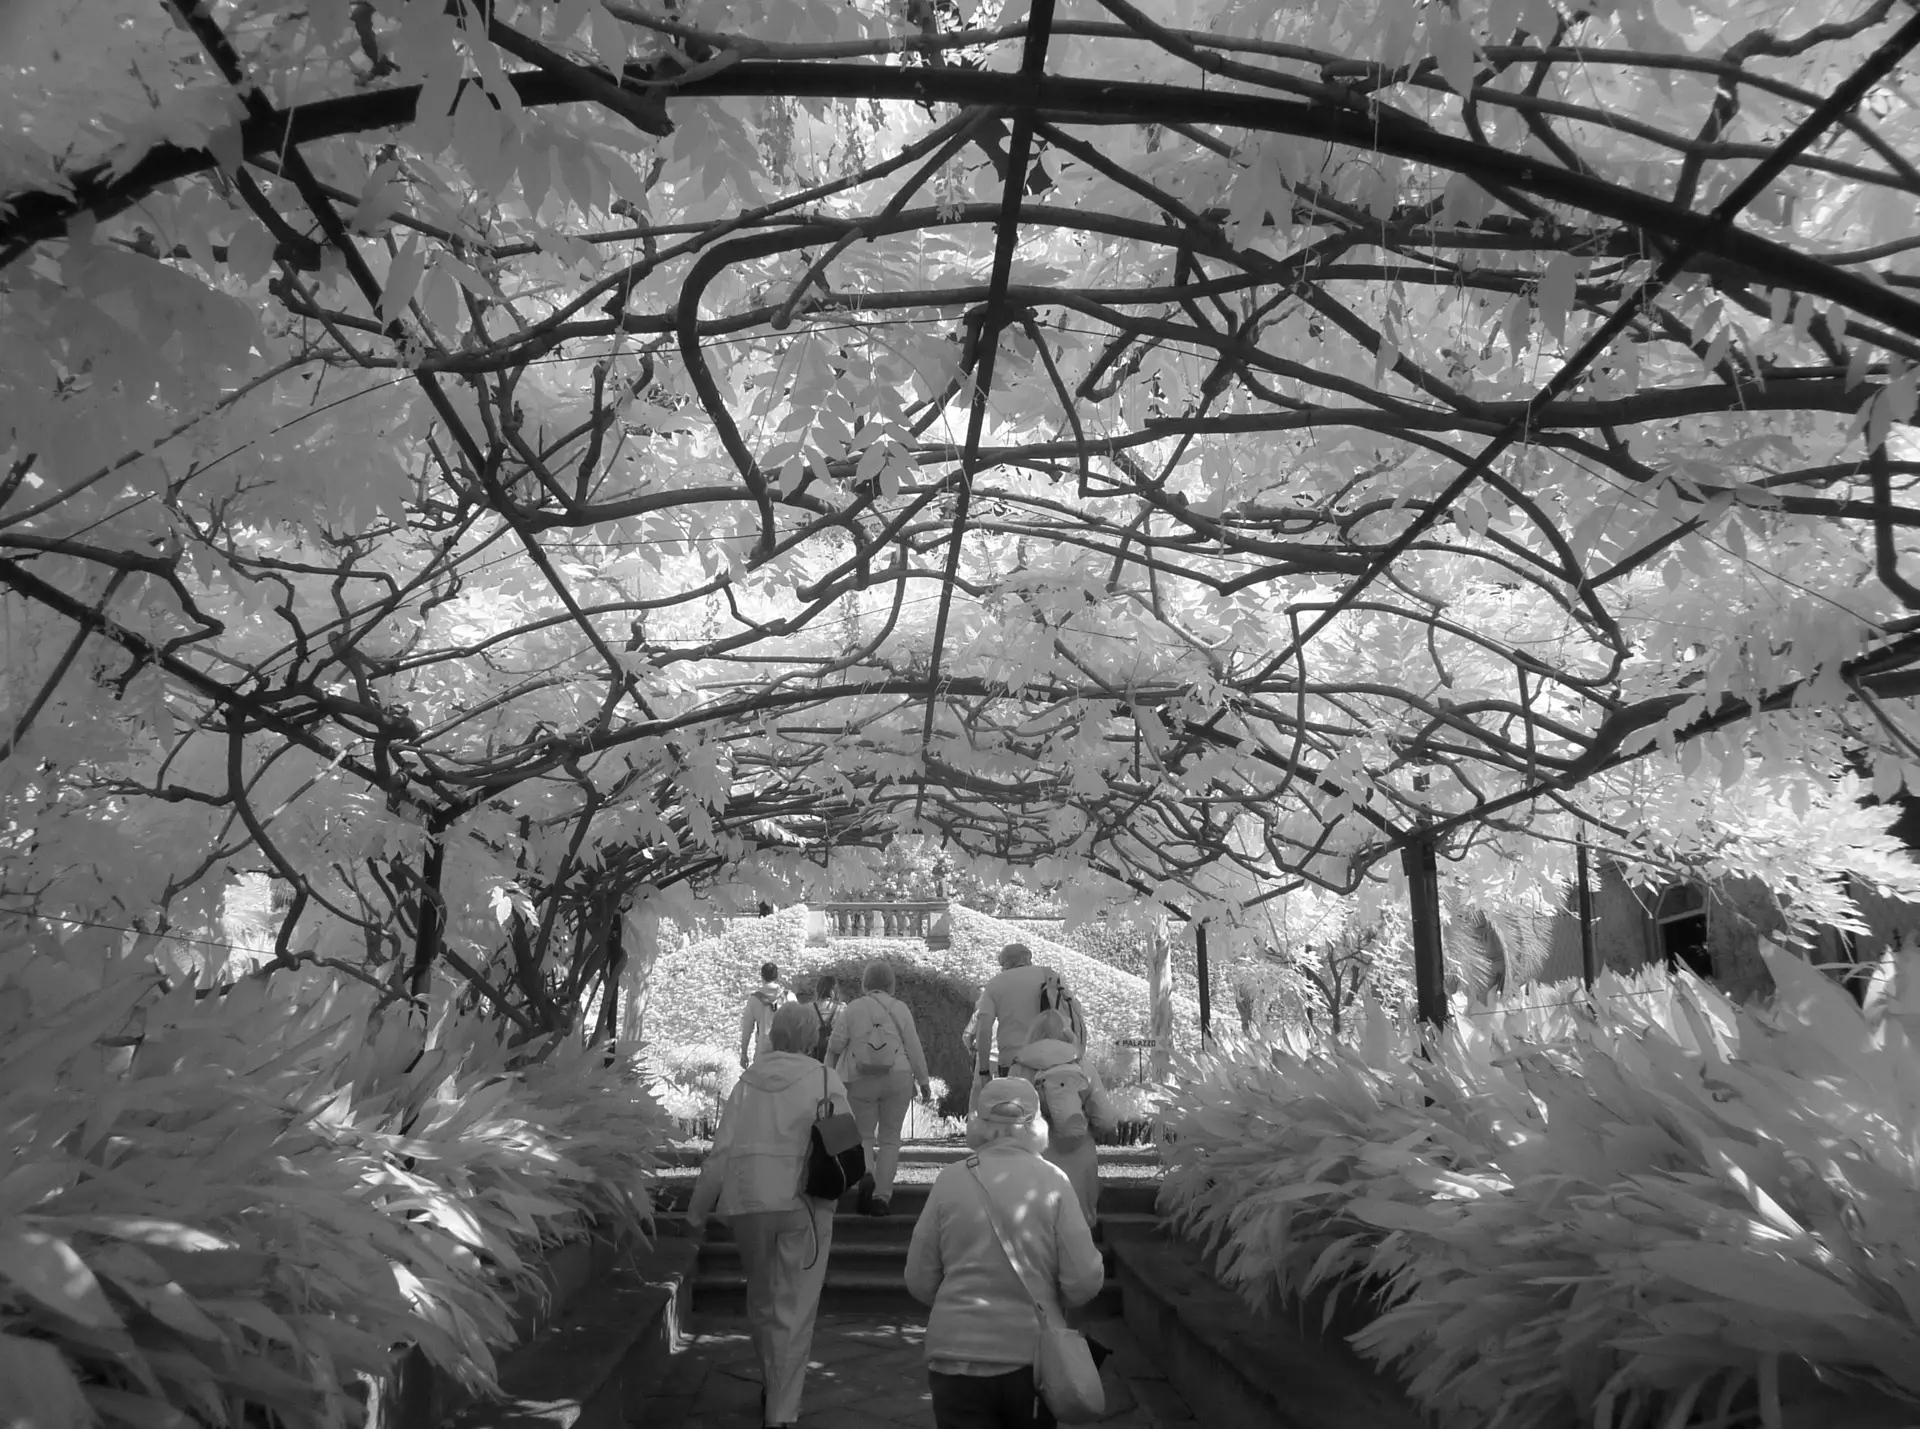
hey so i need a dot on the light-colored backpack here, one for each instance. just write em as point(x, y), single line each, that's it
point(1055, 997)
point(1063, 1101)
point(877, 1046)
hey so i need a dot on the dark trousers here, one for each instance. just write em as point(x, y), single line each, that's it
point(988, 1401)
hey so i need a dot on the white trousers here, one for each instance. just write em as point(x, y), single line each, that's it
point(880, 1110)
point(784, 1254)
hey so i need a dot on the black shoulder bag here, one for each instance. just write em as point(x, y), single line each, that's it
point(835, 1159)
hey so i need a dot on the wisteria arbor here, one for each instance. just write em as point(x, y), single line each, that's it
point(493, 463)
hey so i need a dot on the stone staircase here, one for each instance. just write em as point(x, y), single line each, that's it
point(866, 1268)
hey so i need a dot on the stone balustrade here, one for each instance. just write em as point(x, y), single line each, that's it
point(926, 921)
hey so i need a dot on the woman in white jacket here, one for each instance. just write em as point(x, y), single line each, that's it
point(877, 1049)
point(983, 1330)
point(754, 1177)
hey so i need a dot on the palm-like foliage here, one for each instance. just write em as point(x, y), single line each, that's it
point(1653, 1203)
point(218, 1201)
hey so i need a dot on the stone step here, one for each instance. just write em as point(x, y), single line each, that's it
point(1129, 1196)
point(895, 1229)
point(870, 1241)
point(866, 1289)
point(848, 1229)
point(934, 1153)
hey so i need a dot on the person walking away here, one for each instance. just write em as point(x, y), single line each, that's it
point(827, 1011)
point(877, 1048)
point(983, 1329)
point(753, 1178)
point(1073, 1103)
point(1008, 1004)
point(756, 1018)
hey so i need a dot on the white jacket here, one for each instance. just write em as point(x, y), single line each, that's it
point(759, 1156)
point(756, 1020)
point(982, 1314)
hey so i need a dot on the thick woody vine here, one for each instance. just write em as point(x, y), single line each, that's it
point(1227, 758)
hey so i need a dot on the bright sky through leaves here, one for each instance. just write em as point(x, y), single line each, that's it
point(543, 427)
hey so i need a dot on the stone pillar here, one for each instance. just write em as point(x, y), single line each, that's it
point(1160, 997)
point(642, 943)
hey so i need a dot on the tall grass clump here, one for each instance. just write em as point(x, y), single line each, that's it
point(1650, 1207)
point(228, 1205)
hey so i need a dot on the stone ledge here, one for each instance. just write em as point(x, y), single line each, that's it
point(417, 1394)
point(591, 1367)
point(1235, 1368)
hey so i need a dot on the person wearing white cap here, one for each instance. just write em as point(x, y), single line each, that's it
point(984, 1329)
point(754, 1177)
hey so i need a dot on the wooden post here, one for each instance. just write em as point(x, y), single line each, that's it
point(1589, 962)
point(608, 1033)
point(1422, 867)
point(430, 919)
point(1200, 976)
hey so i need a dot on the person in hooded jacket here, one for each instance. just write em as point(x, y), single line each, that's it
point(754, 1178)
point(983, 1328)
point(756, 1018)
point(1050, 1057)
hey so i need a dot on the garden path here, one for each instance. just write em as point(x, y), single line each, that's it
point(866, 1373)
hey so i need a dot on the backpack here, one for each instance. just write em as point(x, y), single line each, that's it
point(1054, 997)
point(1063, 1102)
point(819, 1052)
point(876, 1051)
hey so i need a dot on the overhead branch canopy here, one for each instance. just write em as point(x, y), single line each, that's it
point(1203, 451)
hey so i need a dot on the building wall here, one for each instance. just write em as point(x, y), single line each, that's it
point(1622, 929)
point(1740, 913)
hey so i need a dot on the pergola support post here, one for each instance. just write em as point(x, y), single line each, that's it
point(1200, 977)
point(430, 918)
point(1589, 960)
point(1422, 866)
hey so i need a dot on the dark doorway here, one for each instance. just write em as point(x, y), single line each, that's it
point(1681, 918)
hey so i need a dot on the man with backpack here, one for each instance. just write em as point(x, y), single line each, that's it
point(1072, 1101)
point(1008, 1004)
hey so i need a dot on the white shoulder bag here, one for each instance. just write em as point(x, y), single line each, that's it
point(1063, 1368)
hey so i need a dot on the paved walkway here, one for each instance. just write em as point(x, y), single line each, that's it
point(866, 1373)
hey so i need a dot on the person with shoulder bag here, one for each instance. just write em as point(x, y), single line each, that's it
point(877, 1048)
point(755, 1177)
point(1000, 1252)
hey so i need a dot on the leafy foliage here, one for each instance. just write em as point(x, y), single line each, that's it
point(1643, 1206)
point(225, 1201)
point(522, 460)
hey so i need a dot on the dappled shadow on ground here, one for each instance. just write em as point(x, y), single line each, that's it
point(867, 1372)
